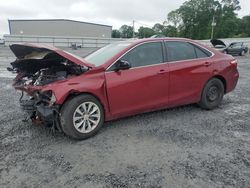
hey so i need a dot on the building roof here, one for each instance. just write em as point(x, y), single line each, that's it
point(60, 20)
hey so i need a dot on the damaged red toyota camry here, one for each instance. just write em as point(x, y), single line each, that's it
point(77, 95)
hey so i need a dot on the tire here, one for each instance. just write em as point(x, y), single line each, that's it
point(242, 53)
point(212, 94)
point(78, 116)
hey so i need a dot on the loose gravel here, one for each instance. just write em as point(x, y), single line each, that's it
point(179, 147)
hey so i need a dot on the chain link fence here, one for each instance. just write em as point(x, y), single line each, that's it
point(78, 42)
point(60, 41)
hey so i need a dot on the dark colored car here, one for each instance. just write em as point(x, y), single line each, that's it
point(158, 36)
point(235, 48)
point(2, 41)
point(125, 78)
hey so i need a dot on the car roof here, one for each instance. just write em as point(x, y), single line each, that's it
point(236, 42)
point(135, 42)
point(160, 39)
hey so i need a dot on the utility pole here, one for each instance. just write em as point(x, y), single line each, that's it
point(133, 28)
point(213, 25)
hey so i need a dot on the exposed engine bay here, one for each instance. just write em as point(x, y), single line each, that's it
point(40, 72)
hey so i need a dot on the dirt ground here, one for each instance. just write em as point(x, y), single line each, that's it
point(179, 147)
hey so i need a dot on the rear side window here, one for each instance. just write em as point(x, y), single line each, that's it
point(145, 54)
point(177, 51)
point(200, 53)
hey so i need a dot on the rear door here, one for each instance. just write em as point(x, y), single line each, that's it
point(144, 86)
point(189, 69)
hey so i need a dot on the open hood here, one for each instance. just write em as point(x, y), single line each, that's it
point(39, 51)
point(216, 42)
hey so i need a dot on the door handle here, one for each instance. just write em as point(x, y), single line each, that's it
point(207, 64)
point(162, 71)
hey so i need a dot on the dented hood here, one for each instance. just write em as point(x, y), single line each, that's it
point(39, 51)
point(216, 42)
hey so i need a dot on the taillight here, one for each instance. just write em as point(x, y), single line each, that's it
point(234, 63)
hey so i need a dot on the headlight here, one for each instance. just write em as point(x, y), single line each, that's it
point(52, 99)
point(48, 97)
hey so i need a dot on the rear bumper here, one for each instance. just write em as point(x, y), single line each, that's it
point(232, 81)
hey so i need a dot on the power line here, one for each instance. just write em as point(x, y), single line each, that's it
point(143, 24)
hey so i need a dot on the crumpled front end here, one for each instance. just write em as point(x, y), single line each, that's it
point(37, 67)
point(41, 108)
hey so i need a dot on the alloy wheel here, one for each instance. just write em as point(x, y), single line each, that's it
point(86, 117)
point(213, 94)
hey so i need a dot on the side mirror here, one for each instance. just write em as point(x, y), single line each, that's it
point(122, 65)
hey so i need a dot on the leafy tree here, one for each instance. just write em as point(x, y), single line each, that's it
point(145, 32)
point(227, 21)
point(126, 31)
point(231, 5)
point(116, 34)
point(197, 16)
point(194, 18)
point(158, 28)
point(245, 26)
point(227, 28)
point(170, 31)
point(174, 17)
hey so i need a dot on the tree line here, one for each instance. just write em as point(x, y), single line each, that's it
point(193, 19)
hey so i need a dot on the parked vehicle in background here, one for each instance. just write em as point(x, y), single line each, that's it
point(235, 48)
point(158, 36)
point(75, 46)
point(218, 45)
point(125, 78)
point(2, 42)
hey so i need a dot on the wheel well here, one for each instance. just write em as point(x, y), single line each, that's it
point(76, 93)
point(223, 80)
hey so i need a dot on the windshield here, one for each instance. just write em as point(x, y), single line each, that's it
point(102, 55)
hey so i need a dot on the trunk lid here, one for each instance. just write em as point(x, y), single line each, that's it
point(217, 42)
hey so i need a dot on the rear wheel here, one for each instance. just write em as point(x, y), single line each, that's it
point(212, 94)
point(242, 53)
point(82, 117)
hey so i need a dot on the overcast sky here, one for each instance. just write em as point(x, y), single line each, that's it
point(109, 12)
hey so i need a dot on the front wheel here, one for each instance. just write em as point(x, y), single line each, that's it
point(82, 117)
point(212, 94)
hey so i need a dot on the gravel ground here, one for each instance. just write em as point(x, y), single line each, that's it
point(179, 147)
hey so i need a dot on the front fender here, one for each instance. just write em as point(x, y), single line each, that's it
point(87, 83)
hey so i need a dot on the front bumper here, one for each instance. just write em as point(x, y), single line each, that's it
point(46, 113)
point(41, 113)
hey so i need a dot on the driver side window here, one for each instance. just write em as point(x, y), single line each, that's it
point(145, 54)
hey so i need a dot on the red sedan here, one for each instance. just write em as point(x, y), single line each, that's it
point(125, 78)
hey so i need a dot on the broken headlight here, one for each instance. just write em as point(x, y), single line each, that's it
point(48, 97)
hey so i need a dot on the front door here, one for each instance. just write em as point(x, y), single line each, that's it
point(144, 86)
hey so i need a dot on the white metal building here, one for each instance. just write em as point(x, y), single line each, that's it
point(59, 27)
